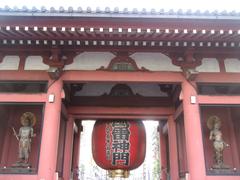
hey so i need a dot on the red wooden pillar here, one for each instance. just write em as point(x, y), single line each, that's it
point(192, 125)
point(233, 140)
point(68, 149)
point(173, 156)
point(76, 151)
point(163, 154)
point(50, 133)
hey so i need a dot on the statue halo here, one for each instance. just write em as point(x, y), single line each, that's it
point(30, 116)
point(213, 120)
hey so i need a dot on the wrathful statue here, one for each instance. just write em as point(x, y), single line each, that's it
point(24, 137)
point(214, 124)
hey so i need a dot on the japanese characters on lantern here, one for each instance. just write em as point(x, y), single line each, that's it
point(119, 144)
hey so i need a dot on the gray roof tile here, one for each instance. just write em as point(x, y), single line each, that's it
point(79, 11)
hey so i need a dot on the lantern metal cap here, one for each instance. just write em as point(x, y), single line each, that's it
point(118, 173)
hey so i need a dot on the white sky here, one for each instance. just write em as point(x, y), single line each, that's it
point(202, 5)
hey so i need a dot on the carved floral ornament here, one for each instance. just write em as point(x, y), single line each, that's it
point(57, 59)
point(122, 62)
point(188, 61)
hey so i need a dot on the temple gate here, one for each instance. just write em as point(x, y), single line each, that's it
point(63, 66)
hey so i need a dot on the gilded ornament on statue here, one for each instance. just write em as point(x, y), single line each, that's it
point(214, 124)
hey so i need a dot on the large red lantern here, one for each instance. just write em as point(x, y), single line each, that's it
point(119, 145)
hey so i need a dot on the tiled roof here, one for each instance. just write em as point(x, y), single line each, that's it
point(117, 12)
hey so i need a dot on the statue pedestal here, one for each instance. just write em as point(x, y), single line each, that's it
point(17, 170)
point(220, 167)
point(21, 165)
point(222, 171)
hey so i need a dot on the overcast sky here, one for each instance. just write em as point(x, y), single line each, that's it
point(202, 5)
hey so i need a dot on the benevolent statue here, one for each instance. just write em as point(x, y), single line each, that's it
point(24, 137)
point(214, 124)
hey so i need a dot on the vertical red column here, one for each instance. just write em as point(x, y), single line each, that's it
point(68, 148)
point(50, 132)
point(76, 152)
point(233, 143)
point(163, 154)
point(192, 125)
point(173, 156)
point(7, 140)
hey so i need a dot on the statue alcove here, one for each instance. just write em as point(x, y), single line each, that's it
point(9, 150)
point(230, 125)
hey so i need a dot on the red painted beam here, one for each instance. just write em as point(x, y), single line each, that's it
point(24, 76)
point(105, 76)
point(15, 97)
point(141, 117)
point(120, 112)
point(204, 99)
point(218, 78)
point(19, 176)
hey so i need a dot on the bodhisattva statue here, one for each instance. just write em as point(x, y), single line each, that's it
point(214, 124)
point(24, 137)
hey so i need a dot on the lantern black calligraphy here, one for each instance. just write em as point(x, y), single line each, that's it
point(120, 143)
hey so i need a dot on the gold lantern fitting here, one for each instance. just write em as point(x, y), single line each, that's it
point(118, 173)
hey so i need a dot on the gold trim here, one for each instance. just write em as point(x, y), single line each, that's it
point(118, 173)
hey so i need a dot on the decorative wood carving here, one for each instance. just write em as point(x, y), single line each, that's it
point(122, 62)
point(121, 90)
point(188, 61)
point(76, 88)
point(58, 58)
point(167, 88)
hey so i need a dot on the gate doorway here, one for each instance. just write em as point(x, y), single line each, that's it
point(133, 101)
